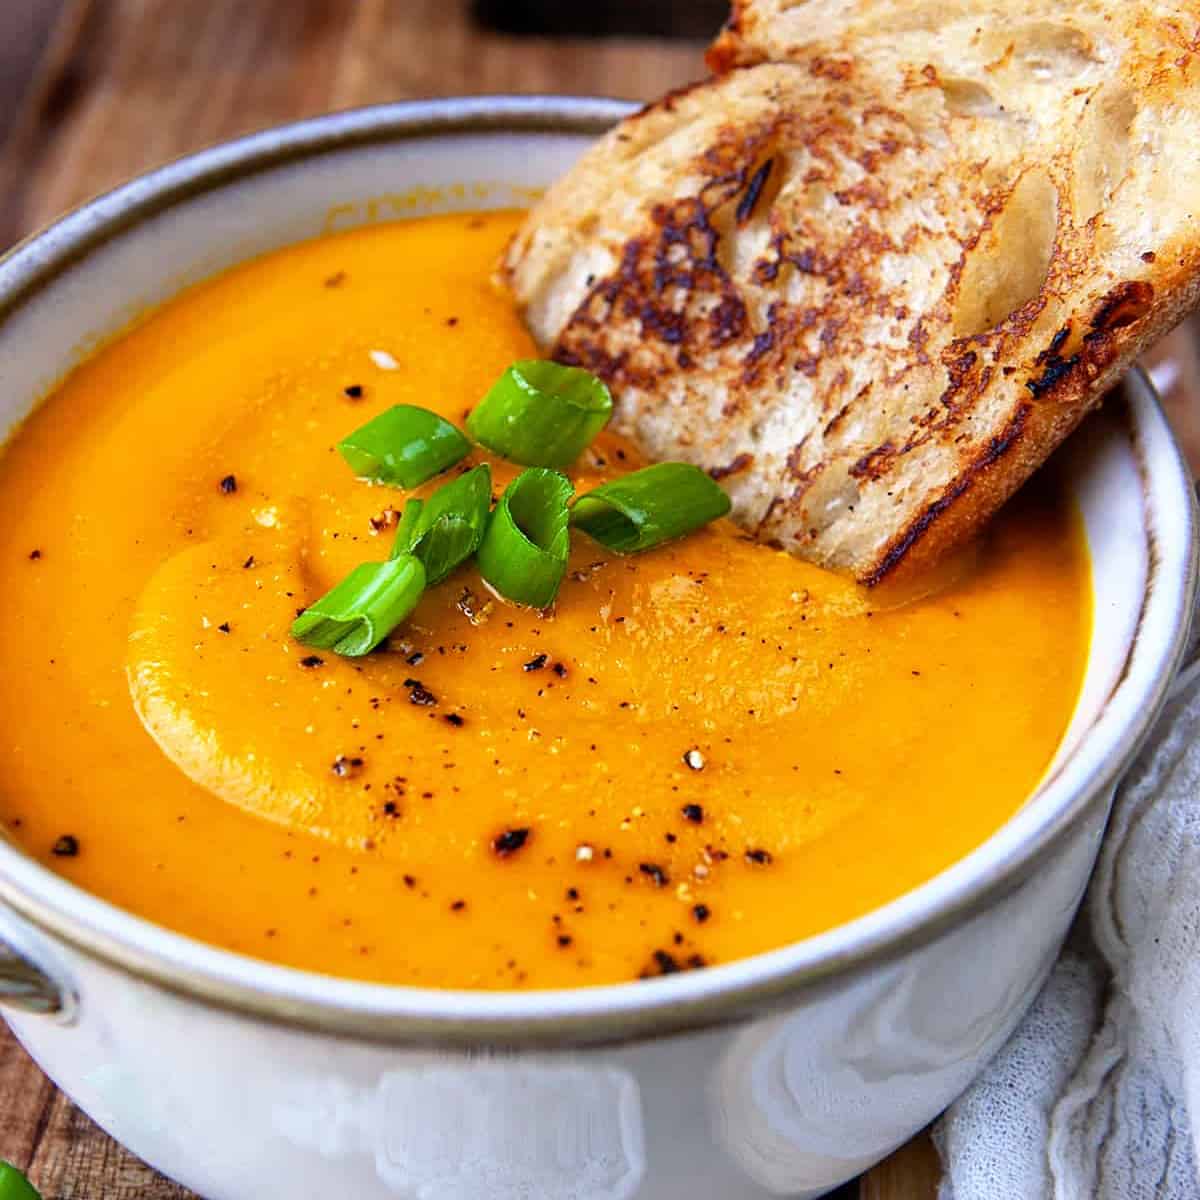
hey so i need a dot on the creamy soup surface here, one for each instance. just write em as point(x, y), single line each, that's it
point(705, 751)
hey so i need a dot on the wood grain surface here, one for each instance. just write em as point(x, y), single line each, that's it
point(94, 91)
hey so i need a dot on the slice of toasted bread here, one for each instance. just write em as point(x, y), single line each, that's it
point(872, 286)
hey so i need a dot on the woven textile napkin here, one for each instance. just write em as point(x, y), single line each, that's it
point(1090, 1100)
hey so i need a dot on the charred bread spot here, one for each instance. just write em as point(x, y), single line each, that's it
point(795, 468)
point(1127, 303)
point(875, 463)
point(760, 347)
point(918, 339)
point(959, 367)
point(839, 416)
point(870, 193)
point(669, 100)
point(728, 320)
point(765, 520)
point(659, 277)
point(995, 449)
point(837, 69)
point(766, 270)
point(808, 262)
point(1056, 344)
point(803, 480)
point(1055, 368)
point(745, 208)
point(663, 324)
point(736, 465)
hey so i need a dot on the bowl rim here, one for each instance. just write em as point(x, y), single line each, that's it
point(615, 1012)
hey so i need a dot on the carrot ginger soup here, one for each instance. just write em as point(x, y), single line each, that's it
point(699, 752)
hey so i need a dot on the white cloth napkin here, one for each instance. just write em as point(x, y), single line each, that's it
point(1090, 1100)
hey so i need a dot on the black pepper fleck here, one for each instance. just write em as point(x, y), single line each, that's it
point(761, 858)
point(312, 660)
point(701, 912)
point(455, 719)
point(354, 391)
point(66, 846)
point(536, 663)
point(344, 766)
point(693, 813)
point(228, 485)
point(509, 842)
point(418, 693)
point(656, 874)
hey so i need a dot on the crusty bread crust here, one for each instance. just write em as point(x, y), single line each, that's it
point(873, 274)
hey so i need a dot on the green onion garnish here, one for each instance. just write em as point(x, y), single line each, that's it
point(358, 613)
point(524, 551)
point(14, 1185)
point(446, 529)
point(403, 446)
point(406, 528)
point(541, 413)
point(649, 507)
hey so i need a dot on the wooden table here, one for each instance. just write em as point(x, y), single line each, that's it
point(94, 91)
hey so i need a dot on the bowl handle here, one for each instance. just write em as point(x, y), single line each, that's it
point(25, 986)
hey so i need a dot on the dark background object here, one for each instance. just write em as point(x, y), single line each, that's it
point(603, 18)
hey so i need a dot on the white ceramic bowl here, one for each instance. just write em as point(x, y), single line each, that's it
point(780, 1075)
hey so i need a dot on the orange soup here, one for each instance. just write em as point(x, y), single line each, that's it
point(701, 752)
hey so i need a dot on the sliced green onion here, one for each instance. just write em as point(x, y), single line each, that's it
point(358, 613)
point(649, 507)
point(524, 551)
point(14, 1185)
point(446, 529)
point(403, 446)
point(406, 527)
point(541, 413)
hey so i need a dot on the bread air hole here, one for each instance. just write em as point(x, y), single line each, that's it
point(1102, 159)
point(1053, 53)
point(966, 98)
point(1007, 266)
point(831, 498)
